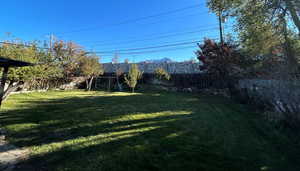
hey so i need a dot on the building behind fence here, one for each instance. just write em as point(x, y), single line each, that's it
point(171, 68)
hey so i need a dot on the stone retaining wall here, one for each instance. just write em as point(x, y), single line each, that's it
point(279, 96)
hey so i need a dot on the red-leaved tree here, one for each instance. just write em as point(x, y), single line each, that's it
point(220, 60)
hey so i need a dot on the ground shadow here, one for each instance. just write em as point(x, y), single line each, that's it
point(137, 133)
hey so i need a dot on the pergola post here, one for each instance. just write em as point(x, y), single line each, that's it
point(3, 81)
point(6, 63)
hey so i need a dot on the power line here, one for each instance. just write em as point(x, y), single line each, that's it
point(112, 51)
point(113, 43)
point(174, 48)
point(153, 51)
point(135, 20)
point(165, 20)
point(119, 51)
point(157, 37)
point(205, 27)
point(176, 41)
point(150, 47)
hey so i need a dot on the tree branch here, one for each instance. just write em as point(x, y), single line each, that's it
point(293, 13)
point(11, 88)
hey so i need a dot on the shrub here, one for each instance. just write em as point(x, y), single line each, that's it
point(162, 74)
point(133, 76)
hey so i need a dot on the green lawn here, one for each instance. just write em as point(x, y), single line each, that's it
point(77, 130)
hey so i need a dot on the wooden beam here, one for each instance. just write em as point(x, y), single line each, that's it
point(2, 85)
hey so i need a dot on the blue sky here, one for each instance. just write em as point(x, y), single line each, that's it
point(110, 25)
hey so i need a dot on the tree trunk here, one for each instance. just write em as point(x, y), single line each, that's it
point(87, 84)
point(119, 85)
point(132, 89)
point(90, 84)
point(11, 88)
point(2, 84)
point(293, 13)
point(289, 52)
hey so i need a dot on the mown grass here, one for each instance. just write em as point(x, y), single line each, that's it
point(77, 130)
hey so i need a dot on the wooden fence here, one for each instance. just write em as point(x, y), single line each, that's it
point(200, 81)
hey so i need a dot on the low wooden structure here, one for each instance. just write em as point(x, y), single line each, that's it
point(109, 78)
point(6, 63)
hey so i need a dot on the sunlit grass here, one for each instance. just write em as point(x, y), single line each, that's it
point(83, 142)
point(72, 130)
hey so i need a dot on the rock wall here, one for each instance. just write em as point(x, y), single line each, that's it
point(280, 96)
point(171, 68)
point(73, 84)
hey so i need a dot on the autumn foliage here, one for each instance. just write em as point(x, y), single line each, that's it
point(220, 59)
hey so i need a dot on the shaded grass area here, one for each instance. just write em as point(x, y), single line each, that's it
point(76, 130)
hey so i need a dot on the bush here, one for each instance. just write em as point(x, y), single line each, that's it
point(133, 76)
point(162, 74)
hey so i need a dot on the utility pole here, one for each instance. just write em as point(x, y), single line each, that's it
point(51, 42)
point(221, 27)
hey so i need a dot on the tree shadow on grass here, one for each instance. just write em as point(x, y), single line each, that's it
point(62, 119)
point(141, 132)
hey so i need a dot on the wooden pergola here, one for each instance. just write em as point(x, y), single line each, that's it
point(6, 63)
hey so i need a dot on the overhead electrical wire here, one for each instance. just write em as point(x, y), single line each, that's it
point(196, 28)
point(134, 20)
point(141, 50)
point(120, 50)
point(143, 25)
point(154, 38)
point(149, 47)
point(114, 51)
point(127, 53)
point(175, 41)
point(153, 51)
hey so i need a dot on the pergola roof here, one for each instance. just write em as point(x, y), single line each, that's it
point(5, 62)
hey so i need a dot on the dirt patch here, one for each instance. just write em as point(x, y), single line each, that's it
point(10, 155)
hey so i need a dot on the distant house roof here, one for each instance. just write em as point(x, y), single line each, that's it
point(5, 62)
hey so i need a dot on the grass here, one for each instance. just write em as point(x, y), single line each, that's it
point(77, 130)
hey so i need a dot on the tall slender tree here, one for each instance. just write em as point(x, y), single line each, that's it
point(133, 76)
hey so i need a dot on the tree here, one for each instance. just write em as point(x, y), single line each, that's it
point(74, 61)
point(161, 74)
point(222, 60)
point(262, 24)
point(65, 60)
point(67, 55)
point(20, 77)
point(133, 76)
point(90, 67)
point(272, 9)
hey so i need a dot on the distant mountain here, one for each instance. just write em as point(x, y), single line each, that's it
point(163, 60)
